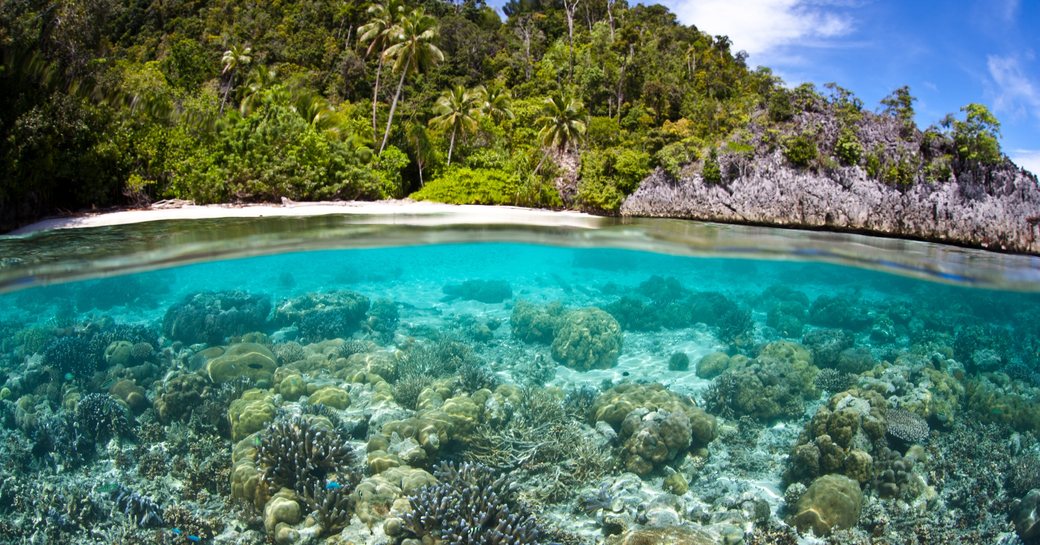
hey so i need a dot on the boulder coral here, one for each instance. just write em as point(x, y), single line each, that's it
point(587, 338)
point(832, 502)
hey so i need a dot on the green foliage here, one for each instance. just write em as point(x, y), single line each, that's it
point(900, 104)
point(939, 169)
point(872, 164)
point(673, 157)
point(781, 105)
point(800, 150)
point(900, 172)
point(712, 173)
point(304, 100)
point(976, 137)
point(463, 185)
point(607, 176)
point(848, 149)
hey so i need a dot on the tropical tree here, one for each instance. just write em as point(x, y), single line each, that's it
point(413, 52)
point(457, 110)
point(495, 102)
point(260, 79)
point(379, 34)
point(562, 122)
point(234, 59)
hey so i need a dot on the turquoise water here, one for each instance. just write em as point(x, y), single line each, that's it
point(518, 392)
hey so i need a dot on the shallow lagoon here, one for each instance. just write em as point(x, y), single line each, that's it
point(643, 382)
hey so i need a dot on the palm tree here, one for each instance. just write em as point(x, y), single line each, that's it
point(232, 60)
point(380, 33)
point(457, 111)
point(495, 102)
point(563, 125)
point(562, 122)
point(413, 52)
point(260, 79)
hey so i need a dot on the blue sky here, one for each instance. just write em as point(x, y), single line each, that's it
point(950, 52)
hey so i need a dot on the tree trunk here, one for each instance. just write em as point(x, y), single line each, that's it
point(451, 145)
point(569, 10)
point(375, 98)
point(231, 83)
point(393, 108)
point(610, 18)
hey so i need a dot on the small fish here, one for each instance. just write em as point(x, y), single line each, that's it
point(333, 485)
point(176, 531)
point(194, 538)
point(107, 488)
point(69, 376)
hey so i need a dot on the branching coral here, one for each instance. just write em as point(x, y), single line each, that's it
point(101, 417)
point(144, 511)
point(298, 455)
point(470, 506)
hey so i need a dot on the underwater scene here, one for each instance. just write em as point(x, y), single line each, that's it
point(513, 393)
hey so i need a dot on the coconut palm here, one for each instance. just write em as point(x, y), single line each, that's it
point(413, 52)
point(495, 102)
point(379, 34)
point(562, 122)
point(260, 79)
point(457, 111)
point(233, 60)
point(562, 125)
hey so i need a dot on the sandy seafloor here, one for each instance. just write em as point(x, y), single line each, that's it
point(739, 475)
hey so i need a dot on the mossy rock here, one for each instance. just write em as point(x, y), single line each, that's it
point(330, 396)
point(587, 338)
point(832, 502)
point(248, 360)
point(251, 413)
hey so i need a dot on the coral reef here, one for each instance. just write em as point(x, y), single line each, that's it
point(212, 317)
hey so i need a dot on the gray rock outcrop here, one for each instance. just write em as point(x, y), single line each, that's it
point(1001, 212)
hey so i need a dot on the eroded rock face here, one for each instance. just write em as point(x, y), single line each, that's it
point(999, 213)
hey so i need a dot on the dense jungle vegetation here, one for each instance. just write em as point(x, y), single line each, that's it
point(564, 103)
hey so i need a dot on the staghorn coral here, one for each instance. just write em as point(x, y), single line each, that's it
point(295, 454)
point(470, 506)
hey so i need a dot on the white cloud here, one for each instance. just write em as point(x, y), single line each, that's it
point(1015, 92)
point(1027, 159)
point(761, 26)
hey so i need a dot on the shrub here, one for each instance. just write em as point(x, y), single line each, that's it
point(462, 185)
point(848, 150)
point(800, 150)
point(673, 157)
point(712, 172)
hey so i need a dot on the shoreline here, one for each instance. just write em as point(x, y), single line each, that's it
point(403, 211)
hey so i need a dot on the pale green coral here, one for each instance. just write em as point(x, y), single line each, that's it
point(586, 339)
